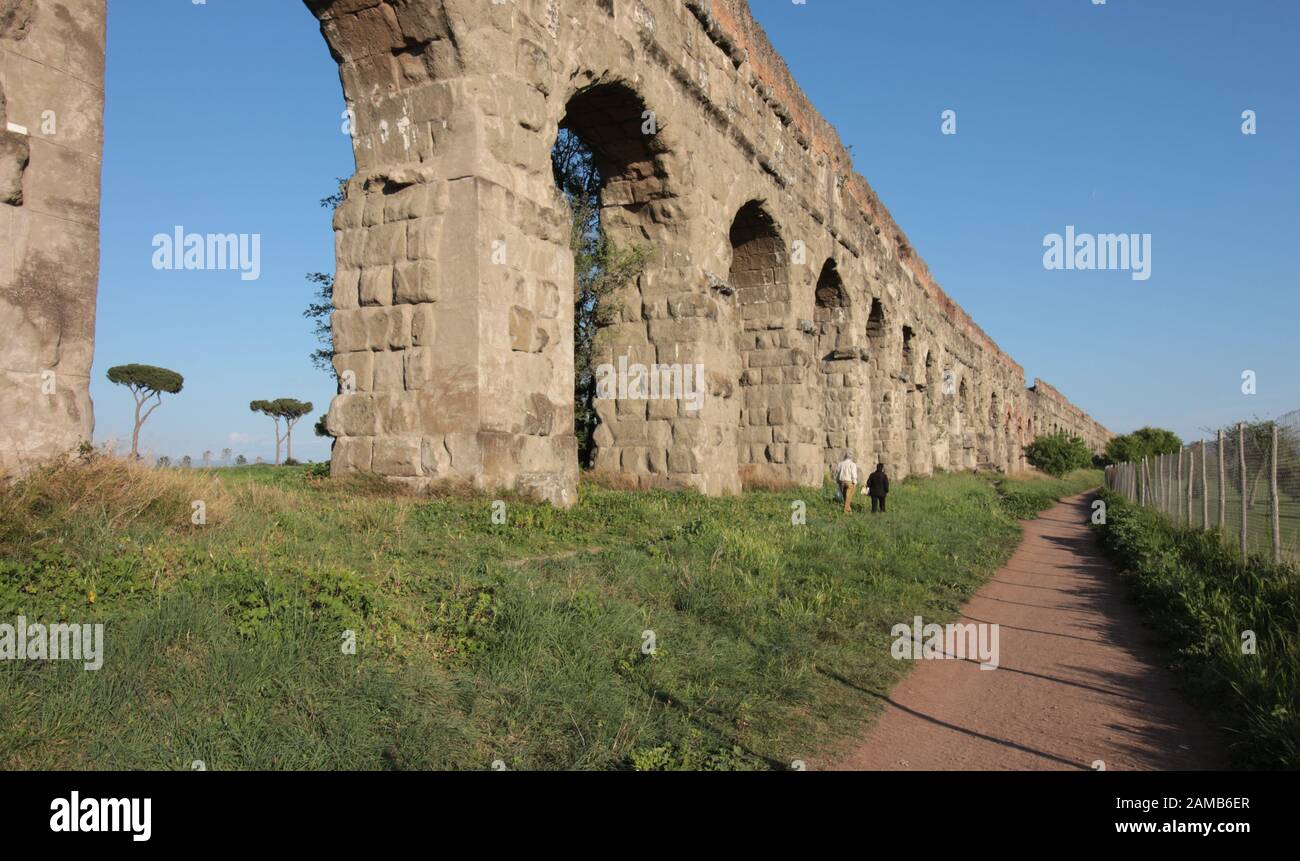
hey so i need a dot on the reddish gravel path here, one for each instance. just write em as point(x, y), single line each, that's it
point(1079, 678)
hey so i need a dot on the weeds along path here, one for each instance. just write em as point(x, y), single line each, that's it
point(1078, 683)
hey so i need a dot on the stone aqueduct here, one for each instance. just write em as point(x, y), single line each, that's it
point(774, 266)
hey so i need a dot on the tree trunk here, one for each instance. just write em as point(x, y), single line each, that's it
point(135, 434)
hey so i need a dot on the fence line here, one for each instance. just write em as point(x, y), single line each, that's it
point(1251, 472)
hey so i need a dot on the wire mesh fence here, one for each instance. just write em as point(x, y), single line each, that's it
point(1245, 482)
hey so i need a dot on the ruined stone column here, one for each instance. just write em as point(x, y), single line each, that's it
point(51, 144)
point(452, 332)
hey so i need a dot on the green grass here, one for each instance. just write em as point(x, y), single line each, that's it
point(476, 642)
point(1203, 600)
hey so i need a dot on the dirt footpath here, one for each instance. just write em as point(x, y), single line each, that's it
point(1079, 678)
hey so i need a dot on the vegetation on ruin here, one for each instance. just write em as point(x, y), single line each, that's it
point(476, 641)
point(601, 268)
point(1203, 601)
point(318, 311)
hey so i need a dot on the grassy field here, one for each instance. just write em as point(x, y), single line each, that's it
point(475, 641)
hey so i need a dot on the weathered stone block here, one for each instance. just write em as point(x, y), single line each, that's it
point(420, 368)
point(347, 289)
point(358, 367)
point(682, 459)
point(351, 454)
point(415, 282)
point(423, 325)
point(525, 335)
point(355, 415)
point(389, 373)
point(435, 460)
point(377, 285)
point(397, 456)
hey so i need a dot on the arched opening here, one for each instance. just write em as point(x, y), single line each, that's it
point(604, 164)
point(266, 185)
point(759, 266)
point(832, 300)
point(611, 119)
point(759, 274)
point(877, 325)
point(839, 365)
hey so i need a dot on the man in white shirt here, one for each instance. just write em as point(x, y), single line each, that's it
point(846, 474)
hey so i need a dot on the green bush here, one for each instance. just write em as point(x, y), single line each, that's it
point(1058, 453)
point(1142, 443)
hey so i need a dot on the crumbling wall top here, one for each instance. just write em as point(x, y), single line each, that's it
point(735, 24)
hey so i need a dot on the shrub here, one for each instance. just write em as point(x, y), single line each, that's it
point(1058, 453)
point(1145, 442)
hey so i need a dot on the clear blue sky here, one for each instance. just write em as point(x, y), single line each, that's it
point(1123, 117)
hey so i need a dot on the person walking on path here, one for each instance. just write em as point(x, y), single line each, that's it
point(846, 474)
point(878, 488)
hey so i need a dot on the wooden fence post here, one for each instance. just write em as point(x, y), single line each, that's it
point(1245, 511)
point(1159, 468)
point(1170, 488)
point(1178, 491)
point(1223, 499)
point(1164, 483)
point(1205, 491)
point(1160, 477)
point(1191, 481)
point(1277, 503)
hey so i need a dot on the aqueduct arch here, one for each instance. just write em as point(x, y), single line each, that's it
point(453, 294)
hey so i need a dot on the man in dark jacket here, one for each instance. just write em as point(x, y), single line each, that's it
point(878, 488)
